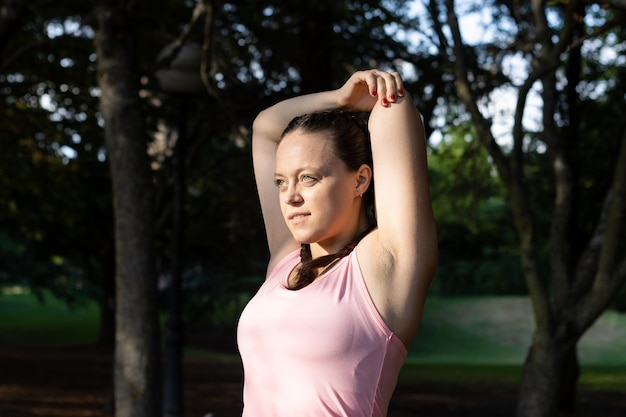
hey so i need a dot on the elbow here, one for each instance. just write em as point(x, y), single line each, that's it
point(267, 127)
point(259, 122)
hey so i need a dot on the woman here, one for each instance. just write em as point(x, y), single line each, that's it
point(328, 332)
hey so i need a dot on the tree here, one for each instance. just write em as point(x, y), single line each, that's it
point(257, 55)
point(54, 179)
point(572, 266)
point(136, 364)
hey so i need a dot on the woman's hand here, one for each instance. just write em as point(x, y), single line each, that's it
point(364, 88)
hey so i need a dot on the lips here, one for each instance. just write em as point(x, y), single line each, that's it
point(297, 217)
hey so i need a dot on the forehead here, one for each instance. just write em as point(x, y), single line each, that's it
point(298, 149)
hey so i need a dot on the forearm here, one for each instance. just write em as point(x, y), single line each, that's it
point(271, 122)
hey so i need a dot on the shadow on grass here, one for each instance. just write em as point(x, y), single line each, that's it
point(71, 382)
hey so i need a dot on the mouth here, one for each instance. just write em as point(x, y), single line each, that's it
point(296, 217)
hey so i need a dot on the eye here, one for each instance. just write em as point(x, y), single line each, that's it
point(307, 179)
point(280, 183)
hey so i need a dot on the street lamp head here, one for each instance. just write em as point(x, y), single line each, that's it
point(179, 72)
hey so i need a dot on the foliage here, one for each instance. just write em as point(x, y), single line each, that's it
point(57, 222)
point(58, 189)
point(55, 215)
point(549, 194)
point(252, 63)
point(477, 239)
point(252, 59)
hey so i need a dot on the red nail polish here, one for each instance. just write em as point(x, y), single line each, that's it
point(392, 97)
point(384, 102)
point(400, 92)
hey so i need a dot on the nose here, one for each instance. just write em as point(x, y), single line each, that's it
point(292, 194)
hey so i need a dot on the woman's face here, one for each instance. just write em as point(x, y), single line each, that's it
point(319, 197)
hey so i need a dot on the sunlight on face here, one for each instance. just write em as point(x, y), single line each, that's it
point(318, 195)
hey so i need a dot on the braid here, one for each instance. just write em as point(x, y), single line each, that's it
point(307, 272)
point(351, 144)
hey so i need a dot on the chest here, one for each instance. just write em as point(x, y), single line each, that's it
point(322, 322)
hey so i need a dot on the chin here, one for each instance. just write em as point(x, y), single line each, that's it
point(303, 239)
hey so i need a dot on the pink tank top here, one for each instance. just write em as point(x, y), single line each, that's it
point(320, 351)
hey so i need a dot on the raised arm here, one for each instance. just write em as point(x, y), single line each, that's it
point(266, 131)
point(399, 259)
point(406, 226)
point(403, 204)
point(267, 128)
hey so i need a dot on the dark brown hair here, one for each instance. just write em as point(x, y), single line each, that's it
point(351, 143)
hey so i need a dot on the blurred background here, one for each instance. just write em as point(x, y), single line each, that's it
point(127, 194)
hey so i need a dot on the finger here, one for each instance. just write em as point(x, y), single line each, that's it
point(399, 84)
point(382, 89)
point(387, 86)
point(371, 80)
point(391, 84)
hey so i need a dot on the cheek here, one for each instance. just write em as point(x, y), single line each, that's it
point(341, 201)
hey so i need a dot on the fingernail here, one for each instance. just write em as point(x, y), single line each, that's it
point(392, 97)
point(385, 102)
point(400, 92)
point(374, 93)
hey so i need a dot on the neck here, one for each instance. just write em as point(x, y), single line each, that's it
point(353, 232)
point(319, 249)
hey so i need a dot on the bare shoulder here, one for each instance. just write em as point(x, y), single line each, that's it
point(397, 285)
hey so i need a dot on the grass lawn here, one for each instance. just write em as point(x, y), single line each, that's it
point(498, 330)
point(25, 322)
point(472, 331)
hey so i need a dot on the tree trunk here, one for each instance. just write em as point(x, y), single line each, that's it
point(570, 372)
point(540, 380)
point(136, 364)
point(549, 378)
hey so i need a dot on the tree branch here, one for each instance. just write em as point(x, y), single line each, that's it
point(562, 140)
point(460, 68)
point(610, 274)
point(512, 176)
point(608, 25)
point(167, 59)
point(618, 4)
point(588, 261)
point(208, 57)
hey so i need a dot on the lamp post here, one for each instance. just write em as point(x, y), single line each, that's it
point(181, 78)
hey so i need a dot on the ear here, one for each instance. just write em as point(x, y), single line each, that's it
point(363, 177)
